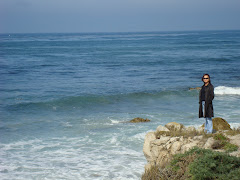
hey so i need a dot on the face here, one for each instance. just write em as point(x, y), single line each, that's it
point(206, 79)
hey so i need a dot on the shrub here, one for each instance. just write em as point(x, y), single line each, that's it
point(152, 174)
point(197, 164)
point(215, 165)
point(230, 147)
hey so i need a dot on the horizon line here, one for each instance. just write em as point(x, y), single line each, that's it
point(94, 32)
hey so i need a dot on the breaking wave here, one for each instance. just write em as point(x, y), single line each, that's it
point(222, 90)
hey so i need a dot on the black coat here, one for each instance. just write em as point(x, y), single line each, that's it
point(209, 96)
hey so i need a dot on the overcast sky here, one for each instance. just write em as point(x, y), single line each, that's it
point(23, 16)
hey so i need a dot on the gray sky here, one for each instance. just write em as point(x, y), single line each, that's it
point(31, 16)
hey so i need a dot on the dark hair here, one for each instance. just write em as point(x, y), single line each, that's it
point(208, 76)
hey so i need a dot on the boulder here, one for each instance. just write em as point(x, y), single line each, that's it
point(173, 126)
point(137, 120)
point(220, 124)
point(161, 128)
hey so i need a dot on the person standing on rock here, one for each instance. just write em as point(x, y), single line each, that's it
point(206, 96)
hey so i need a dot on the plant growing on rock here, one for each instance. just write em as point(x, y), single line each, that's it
point(197, 164)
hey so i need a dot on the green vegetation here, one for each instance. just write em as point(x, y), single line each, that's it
point(222, 142)
point(230, 147)
point(197, 164)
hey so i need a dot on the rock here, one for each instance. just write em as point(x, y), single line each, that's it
point(155, 150)
point(190, 128)
point(197, 138)
point(173, 139)
point(181, 139)
point(235, 153)
point(188, 146)
point(235, 139)
point(209, 143)
point(146, 146)
point(176, 147)
point(196, 88)
point(137, 120)
point(219, 124)
point(161, 128)
point(160, 150)
point(173, 126)
point(162, 140)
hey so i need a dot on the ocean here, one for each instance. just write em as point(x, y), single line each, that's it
point(66, 99)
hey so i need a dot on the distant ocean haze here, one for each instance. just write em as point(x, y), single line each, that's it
point(66, 98)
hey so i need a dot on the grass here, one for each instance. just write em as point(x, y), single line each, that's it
point(197, 164)
point(233, 132)
point(185, 134)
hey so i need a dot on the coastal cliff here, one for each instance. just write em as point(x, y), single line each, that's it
point(160, 146)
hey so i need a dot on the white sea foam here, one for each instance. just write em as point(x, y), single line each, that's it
point(115, 121)
point(234, 125)
point(222, 90)
point(70, 158)
point(140, 136)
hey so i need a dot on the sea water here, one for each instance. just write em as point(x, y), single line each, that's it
point(66, 98)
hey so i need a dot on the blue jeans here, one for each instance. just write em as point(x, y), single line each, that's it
point(208, 123)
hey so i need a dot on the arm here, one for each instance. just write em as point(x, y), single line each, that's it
point(212, 93)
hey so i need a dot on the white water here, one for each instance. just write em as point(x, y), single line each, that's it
point(223, 90)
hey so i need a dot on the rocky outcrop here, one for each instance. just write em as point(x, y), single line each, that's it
point(173, 138)
point(137, 120)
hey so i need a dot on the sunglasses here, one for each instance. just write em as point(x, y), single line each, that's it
point(205, 78)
